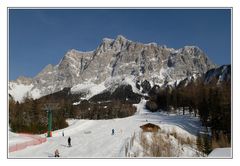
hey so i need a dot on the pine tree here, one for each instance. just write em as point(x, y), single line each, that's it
point(207, 146)
point(199, 143)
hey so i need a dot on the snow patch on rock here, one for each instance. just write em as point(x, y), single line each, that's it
point(19, 91)
point(89, 88)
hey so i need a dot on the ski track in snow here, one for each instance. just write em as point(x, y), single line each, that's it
point(15, 138)
point(93, 139)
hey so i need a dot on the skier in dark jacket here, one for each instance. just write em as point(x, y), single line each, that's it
point(69, 142)
point(112, 131)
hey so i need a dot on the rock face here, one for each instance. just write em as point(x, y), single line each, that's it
point(123, 93)
point(218, 75)
point(215, 76)
point(118, 57)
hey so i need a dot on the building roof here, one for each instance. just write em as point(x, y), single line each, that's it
point(149, 125)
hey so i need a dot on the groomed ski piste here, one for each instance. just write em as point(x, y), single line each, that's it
point(94, 139)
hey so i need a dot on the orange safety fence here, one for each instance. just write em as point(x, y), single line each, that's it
point(36, 140)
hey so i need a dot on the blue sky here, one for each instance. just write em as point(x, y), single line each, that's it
point(38, 37)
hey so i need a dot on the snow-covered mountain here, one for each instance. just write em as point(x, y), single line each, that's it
point(113, 62)
point(220, 74)
point(215, 76)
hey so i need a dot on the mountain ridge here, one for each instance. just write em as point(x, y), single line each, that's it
point(118, 57)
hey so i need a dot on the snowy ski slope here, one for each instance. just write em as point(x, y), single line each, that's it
point(93, 138)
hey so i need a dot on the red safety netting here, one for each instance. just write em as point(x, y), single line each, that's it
point(36, 140)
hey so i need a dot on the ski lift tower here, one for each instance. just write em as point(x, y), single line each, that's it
point(49, 107)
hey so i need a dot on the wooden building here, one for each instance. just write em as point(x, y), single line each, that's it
point(149, 127)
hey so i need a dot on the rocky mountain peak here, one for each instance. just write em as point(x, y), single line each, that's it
point(192, 50)
point(47, 70)
point(23, 80)
point(219, 75)
point(121, 39)
point(121, 57)
point(116, 45)
point(107, 40)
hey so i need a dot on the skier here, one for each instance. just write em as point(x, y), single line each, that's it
point(57, 153)
point(69, 142)
point(63, 133)
point(112, 131)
